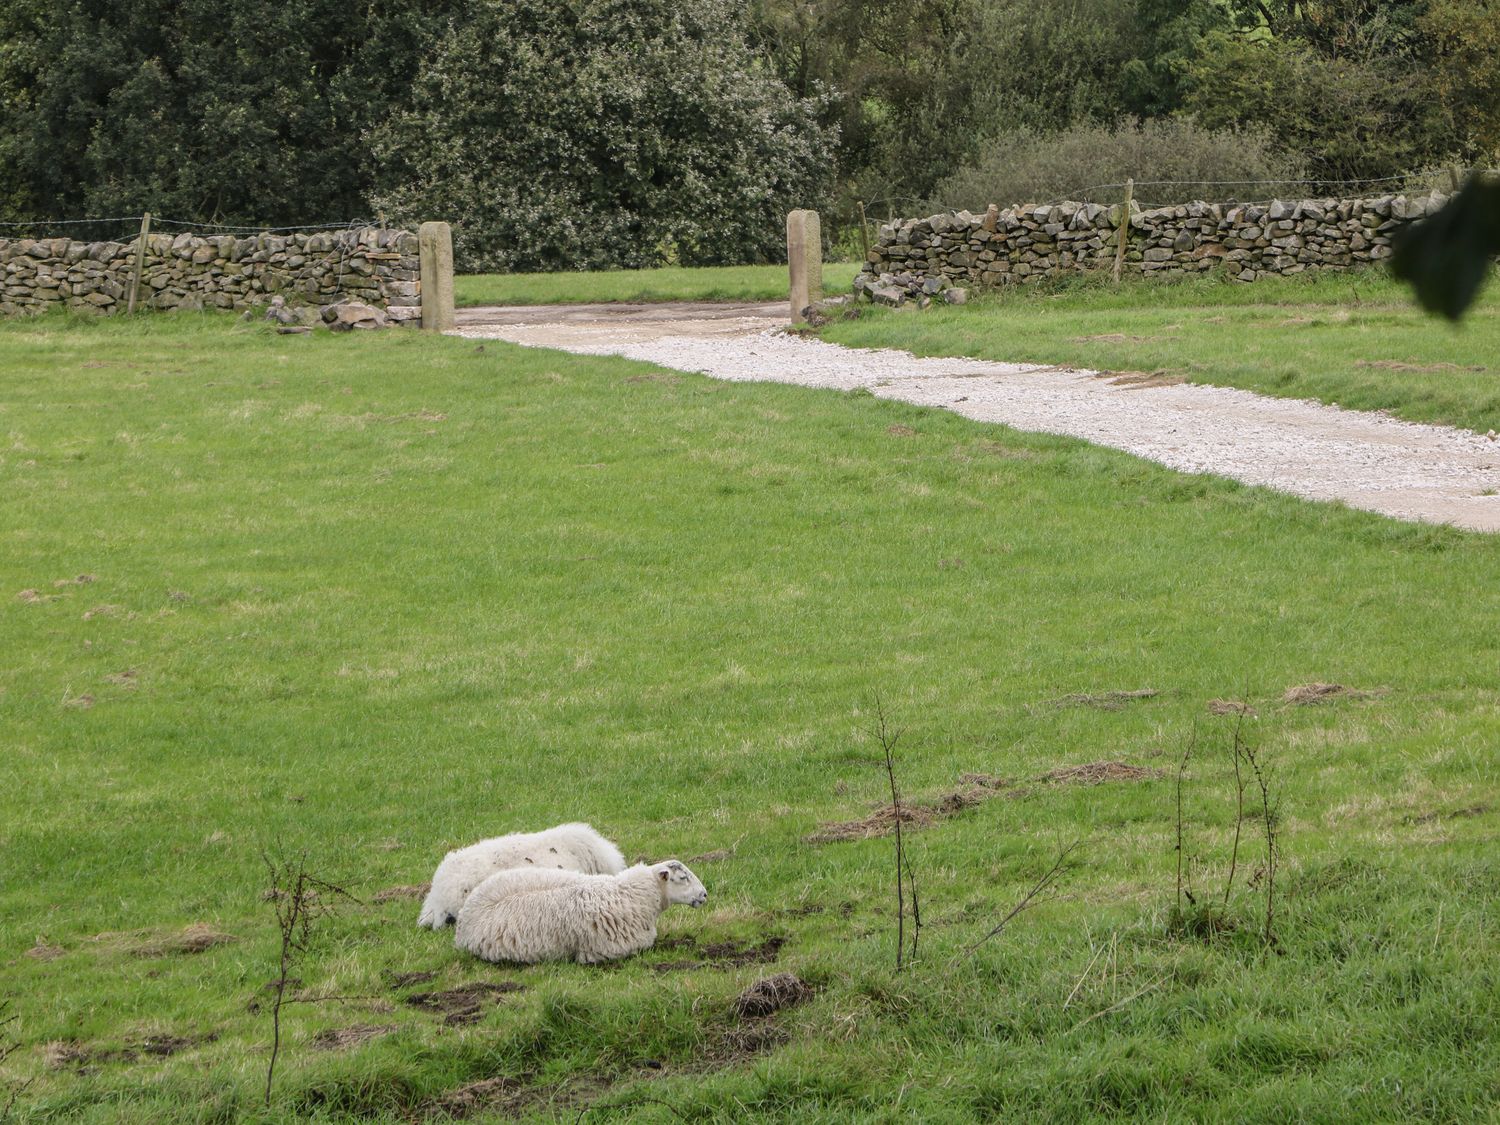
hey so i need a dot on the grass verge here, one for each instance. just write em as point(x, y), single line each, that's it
point(376, 595)
point(1356, 339)
point(707, 283)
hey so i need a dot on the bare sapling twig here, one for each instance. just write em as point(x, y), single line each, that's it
point(9, 1045)
point(299, 898)
point(916, 911)
point(888, 739)
point(1034, 897)
point(1270, 809)
point(1237, 750)
point(1181, 772)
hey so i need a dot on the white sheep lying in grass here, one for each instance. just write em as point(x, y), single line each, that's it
point(571, 847)
point(528, 915)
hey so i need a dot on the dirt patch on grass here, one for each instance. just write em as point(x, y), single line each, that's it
point(409, 890)
point(899, 430)
point(44, 950)
point(466, 1003)
point(342, 1038)
point(125, 678)
point(1096, 773)
point(975, 789)
point(1230, 707)
point(768, 996)
point(1104, 700)
point(64, 1054)
point(485, 1095)
point(1452, 814)
point(147, 943)
point(1304, 695)
point(1141, 380)
point(1397, 365)
point(711, 857)
point(719, 955)
point(34, 597)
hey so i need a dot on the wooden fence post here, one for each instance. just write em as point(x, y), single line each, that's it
point(864, 231)
point(140, 263)
point(1124, 228)
point(435, 246)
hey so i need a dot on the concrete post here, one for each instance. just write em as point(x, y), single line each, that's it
point(435, 245)
point(804, 258)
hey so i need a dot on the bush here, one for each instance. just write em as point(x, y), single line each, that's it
point(1086, 161)
point(586, 134)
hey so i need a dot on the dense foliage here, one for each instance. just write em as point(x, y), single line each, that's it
point(594, 132)
point(602, 133)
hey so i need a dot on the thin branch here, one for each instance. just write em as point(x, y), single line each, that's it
point(1031, 899)
point(1181, 770)
point(1115, 1007)
point(888, 742)
point(1239, 803)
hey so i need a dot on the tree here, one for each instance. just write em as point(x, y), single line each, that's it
point(593, 133)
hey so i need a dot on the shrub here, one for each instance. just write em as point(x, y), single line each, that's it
point(1084, 162)
point(585, 134)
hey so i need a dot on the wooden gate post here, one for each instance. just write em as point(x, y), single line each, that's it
point(1124, 228)
point(140, 263)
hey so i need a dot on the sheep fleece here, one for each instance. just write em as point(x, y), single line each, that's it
point(526, 915)
point(573, 847)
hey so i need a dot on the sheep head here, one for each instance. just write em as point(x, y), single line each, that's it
point(679, 884)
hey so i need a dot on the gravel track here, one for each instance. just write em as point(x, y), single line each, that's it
point(1400, 469)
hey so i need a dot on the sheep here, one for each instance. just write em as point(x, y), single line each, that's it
point(527, 915)
point(571, 847)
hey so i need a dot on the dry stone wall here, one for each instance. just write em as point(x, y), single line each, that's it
point(187, 271)
point(918, 257)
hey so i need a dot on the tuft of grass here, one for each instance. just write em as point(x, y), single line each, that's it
point(382, 594)
point(1355, 339)
point(675, 283)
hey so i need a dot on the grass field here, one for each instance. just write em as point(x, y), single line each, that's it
point(376, 595)
point(1353, 339)
point(718, 283)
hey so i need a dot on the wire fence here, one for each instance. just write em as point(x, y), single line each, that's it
point(125, 228)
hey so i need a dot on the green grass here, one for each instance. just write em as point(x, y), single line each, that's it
point(1355, 339)
point(376, 595)
point(708, 283)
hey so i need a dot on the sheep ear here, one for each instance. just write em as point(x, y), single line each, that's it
point(663, 875)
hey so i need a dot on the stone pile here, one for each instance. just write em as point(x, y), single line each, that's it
point(187, 271)
point(918, 257)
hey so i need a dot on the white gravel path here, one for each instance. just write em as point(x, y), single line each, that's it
point(1369, 461)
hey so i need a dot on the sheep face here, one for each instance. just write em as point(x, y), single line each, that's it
point(681, 885)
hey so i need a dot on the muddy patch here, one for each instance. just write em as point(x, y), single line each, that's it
point(44, 950)
point(409, 890)
point(768, 996)
point(1143, 380)
point(975, 789)
point(1096, 773)
point(1305, 695)
point(718, 955)
point(1104, 700)
point(466, 1003)
point(1230, 707)
point(69, 1054)
point(342, 1038)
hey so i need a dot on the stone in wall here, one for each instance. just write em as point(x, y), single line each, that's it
point(189, 271)
point(1023, 244)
